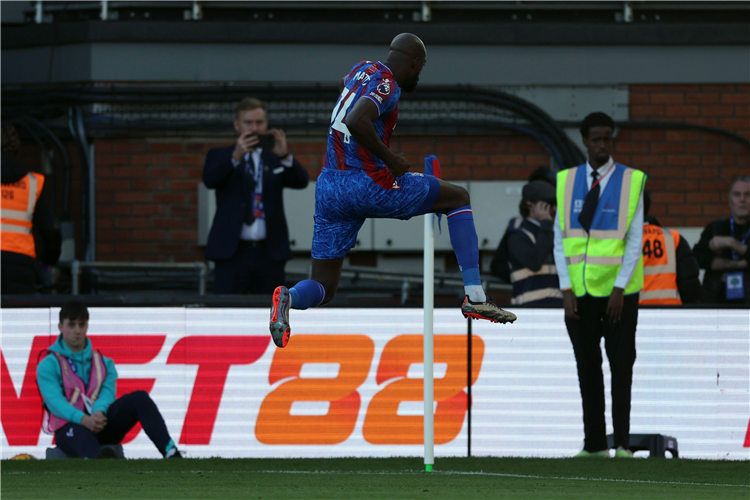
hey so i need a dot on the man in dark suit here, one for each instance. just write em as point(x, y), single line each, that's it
point(249, 239)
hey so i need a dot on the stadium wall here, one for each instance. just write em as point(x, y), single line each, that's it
point(344, 388)
point(146, 187)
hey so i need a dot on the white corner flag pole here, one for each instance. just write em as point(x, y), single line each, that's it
point(429, 303)
point(432, 167)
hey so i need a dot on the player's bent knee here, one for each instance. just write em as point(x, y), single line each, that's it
point(459, 197)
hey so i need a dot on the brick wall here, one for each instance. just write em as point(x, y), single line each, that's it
point(147, 207)
point(688, 171)
point(147, 199)
point(146, 190)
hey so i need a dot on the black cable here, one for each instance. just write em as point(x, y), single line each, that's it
point(66, 163)
point(543, 122)
point(538, 116)
point(76, 129)
point(18, 99)
point(47, 150)
point(41, 143)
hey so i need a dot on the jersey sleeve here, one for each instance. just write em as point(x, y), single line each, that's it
point(383, 92)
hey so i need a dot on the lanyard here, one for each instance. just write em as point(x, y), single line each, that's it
point(596, 182)
point(73, 367)
point(743, 240)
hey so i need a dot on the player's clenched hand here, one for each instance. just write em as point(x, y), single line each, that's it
point(399, 165)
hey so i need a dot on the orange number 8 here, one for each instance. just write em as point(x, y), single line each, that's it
point(276, 425)
point(383, 425)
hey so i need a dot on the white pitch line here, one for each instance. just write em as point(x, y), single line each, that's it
point(406, 472)
point(590, 479)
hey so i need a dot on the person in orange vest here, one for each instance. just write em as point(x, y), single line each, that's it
point(24, 211)
point(670, 270)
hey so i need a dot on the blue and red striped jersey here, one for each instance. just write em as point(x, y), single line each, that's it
point(374, 81)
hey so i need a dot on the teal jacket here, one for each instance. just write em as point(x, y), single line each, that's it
point(49, 378)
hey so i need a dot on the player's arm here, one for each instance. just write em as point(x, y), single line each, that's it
point(342, 84)
point(360, 122)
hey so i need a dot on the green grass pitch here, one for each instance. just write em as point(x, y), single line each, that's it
point(386, 478)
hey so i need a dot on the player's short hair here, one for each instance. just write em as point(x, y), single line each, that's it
point(646, 202)
point(738, 178)
point(597, 119)
point(249, 103)
point(73, 310)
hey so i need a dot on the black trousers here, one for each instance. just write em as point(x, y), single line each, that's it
point(619, 343)
point(78, 441)
point(250, 270)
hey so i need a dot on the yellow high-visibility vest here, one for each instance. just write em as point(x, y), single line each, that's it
point(594, 257)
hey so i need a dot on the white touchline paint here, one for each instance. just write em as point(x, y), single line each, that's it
point(402, 473)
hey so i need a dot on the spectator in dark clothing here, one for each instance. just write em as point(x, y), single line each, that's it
point(500, 266)
point(724, 253)
point(671, 273)
point(26, 213)
point(249, 239)
point(532, 263)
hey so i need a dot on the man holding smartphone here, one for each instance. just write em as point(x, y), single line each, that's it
point(249, 239)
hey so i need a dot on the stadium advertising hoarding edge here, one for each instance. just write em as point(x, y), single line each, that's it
point(349, 383)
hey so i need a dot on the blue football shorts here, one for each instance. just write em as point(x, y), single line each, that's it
point(345, 198)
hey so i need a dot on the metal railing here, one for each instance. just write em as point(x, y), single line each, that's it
point(351, 273)
point(76, 266)
point(355, 273)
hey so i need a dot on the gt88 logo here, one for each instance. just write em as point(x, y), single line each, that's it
point(382, 423)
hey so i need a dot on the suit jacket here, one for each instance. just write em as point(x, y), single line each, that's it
point(220, 174)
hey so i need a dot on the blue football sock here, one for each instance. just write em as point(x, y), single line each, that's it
point(307, 293)
point(466, 246)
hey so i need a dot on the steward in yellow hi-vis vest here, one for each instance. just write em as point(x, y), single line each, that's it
point(594, 257)
point(598, 237)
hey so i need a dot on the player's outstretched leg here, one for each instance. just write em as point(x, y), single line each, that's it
point(305, 294)
point(465, 244)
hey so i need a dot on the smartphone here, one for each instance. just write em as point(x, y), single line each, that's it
point(266, 141)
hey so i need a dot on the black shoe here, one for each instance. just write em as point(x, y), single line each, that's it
point(176, 454)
